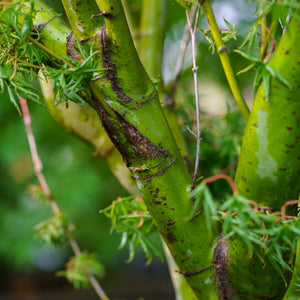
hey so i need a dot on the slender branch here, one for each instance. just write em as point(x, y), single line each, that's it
point(193, 31)
point(222, 176)
point(179, 63)
point(224, 57)
point(263, 55)
point(263, 36)
point(38, 168)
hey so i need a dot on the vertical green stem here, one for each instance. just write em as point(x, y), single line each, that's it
point(269, 164)
point(224, 57)
point(150, 49)
point(152, 35)
point(141, 133)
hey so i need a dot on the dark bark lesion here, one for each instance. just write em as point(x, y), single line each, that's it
point(224, 286)
point(144, 158)
point(111, 75)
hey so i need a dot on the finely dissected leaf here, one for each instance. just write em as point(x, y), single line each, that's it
point(13, 97)
point(231, 27)
point(130, 218)
point(278, 76)
point(250, 38)
point(78, 268)
point(209, 208)
point(54, 231)
point(262, 233)
point(131, 249)
point(70, 80)
point(248, 56)
point(197, 194)
point(264, 73)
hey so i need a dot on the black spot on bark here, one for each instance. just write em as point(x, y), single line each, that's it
point(170, 222)
point(171, 238)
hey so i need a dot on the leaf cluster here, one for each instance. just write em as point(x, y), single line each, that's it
point(263, 232)
point(54, 231)
point(70, 82)
point(18, 57)
point(79, 267)
point(130, 218)
point(21, 59)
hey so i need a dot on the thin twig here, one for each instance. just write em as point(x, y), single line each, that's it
point(193, 31)
point(228, 178)
point(180, 59)
point(38, 169)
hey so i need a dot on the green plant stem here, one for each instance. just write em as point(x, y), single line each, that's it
point(150, 49)
point(132, 23)
point(268, 169)
point(152, 35)
point(140, 132)
point(81, 121)
point(263, 36)
point(224, 57)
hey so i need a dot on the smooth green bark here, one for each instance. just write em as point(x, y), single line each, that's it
point(269, 166)
point(150, 50)
point(157, 165)
point(152, 34)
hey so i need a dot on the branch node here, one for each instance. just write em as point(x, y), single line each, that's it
point(222, 49)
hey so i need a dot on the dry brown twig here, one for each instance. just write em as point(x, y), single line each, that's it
point(38, 169)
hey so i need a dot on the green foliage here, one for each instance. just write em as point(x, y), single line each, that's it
point(78, 268)
point(227, 35)
point(18, 57)
point(278, 12)
point(220, 150)
point(129, 217)
point(54, 231)
point(264, 72)
point(267, 234)
point(186, 3)
point(22, 58)
point(70, 82)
